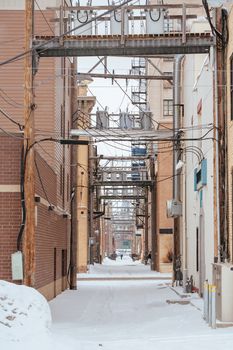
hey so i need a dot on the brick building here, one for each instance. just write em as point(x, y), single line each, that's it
point(52, 160)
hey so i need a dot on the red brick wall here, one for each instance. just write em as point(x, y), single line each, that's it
point(49, 180)
point(51, 232)
point(10, 212)
point(52, 228)
point(10, 152)
point(9, 227)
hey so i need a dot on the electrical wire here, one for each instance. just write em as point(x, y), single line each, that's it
point(6, 115)
point(140, 109)
point(44, 17)
point(40, 46)
point(22, 198)
point(8, 133)
point(41, 182)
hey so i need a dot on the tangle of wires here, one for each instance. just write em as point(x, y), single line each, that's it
point(222, 37)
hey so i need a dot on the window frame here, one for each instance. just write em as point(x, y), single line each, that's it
point(167, 109)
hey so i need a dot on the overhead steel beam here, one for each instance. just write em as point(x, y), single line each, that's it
point(127, 76)
point(138, 183)
point(136, 134)
point(122, 197)
point(123, 232)
point(120, 158)
point(111, 45)
point(129, 7)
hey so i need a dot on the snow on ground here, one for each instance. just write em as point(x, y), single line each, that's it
point(127, 315)
point(23, 312)
point(121, 268)
point(126, 260)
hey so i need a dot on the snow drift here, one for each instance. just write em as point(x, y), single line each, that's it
point(23, 311)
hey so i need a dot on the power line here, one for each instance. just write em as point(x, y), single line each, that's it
point(20, 126)
point(44, 17)
point(22, 54)
point(140, 109)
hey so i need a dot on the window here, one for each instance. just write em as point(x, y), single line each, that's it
point(231, 87)
point(167, 108)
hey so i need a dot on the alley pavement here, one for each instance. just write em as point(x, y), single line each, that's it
point(132, 314)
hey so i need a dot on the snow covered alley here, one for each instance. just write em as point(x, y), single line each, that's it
point(136, 311)
point(131, 314)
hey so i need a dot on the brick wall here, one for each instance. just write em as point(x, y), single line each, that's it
point(47, 187)
point(10, 212)
point(9, 228)
point(51, 232)
point(52, 229)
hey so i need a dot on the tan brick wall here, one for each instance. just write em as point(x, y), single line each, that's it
point(165, 185)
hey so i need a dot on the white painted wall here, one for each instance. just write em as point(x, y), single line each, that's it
point(197, 86)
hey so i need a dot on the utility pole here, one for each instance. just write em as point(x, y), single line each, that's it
point(91, 204)
point(154, 233)
point(74, 160)
point(29, 180)
point(146, 223)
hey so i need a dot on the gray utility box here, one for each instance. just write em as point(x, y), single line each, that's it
point(223, 279)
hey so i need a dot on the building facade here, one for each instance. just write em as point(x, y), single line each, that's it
point(198, 238)
point(52, 160)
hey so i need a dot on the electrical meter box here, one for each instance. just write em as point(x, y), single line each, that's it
point(17, 266)
point(174, 208)
point(223, 280)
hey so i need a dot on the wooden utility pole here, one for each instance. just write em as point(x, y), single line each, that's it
point(74, 160)
point(29, 180)
point(154, 231)
point(91, 204)
point(146, 249)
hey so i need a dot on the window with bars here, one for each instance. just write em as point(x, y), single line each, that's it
point(167, 108)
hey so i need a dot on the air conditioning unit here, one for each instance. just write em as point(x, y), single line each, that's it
point(223, 279)
point(174, 208)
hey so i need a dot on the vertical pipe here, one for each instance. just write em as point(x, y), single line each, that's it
point(146, 223)
point(213, 321)
point(184, 23)
point(210, 305)
point(176, 152)
point(184, 242)
point(154, 233)
point(206, 302)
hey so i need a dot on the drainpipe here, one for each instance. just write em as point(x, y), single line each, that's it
point(176, 152)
